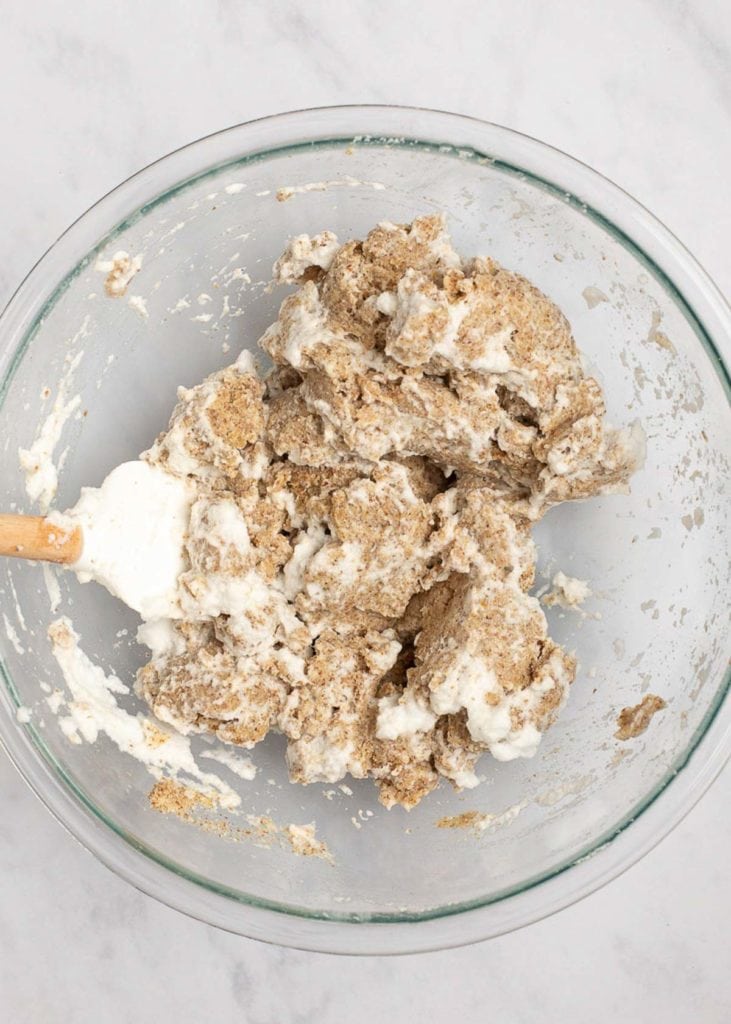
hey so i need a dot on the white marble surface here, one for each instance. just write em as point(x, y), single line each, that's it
point(640, 89)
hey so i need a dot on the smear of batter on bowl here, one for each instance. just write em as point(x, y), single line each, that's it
point(358, 558)
point(468, 819)
point(478, 821)
point(139, 305)
point(287, 191)
point(93, 709)
point(658, 337)
point(12, 635)
point(41, 473)
point(169, 796)
point(634, 721)
point(593, 296)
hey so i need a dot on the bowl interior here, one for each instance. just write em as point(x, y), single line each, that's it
point(656, 560)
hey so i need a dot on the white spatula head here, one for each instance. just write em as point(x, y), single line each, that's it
point(134, 528)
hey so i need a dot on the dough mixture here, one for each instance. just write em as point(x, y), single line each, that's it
point(359, 553)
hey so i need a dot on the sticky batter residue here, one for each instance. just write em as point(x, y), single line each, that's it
point(359, 553)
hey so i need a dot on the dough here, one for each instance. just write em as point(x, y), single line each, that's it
point(359, 555)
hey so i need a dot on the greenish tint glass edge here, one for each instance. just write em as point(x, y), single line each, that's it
point(462, 153)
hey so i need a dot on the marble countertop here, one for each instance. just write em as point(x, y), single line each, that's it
point(639, 89)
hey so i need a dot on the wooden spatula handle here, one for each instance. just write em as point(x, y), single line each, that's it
point(36, 538)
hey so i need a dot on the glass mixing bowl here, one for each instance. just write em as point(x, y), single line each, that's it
point(209, 220)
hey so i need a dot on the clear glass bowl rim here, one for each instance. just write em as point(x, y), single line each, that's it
point(644, 825)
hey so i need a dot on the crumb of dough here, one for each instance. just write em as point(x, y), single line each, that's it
point(119, 270)
point(359, 556)
point(633, 721)
point(305, 843)
point(567, 591)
